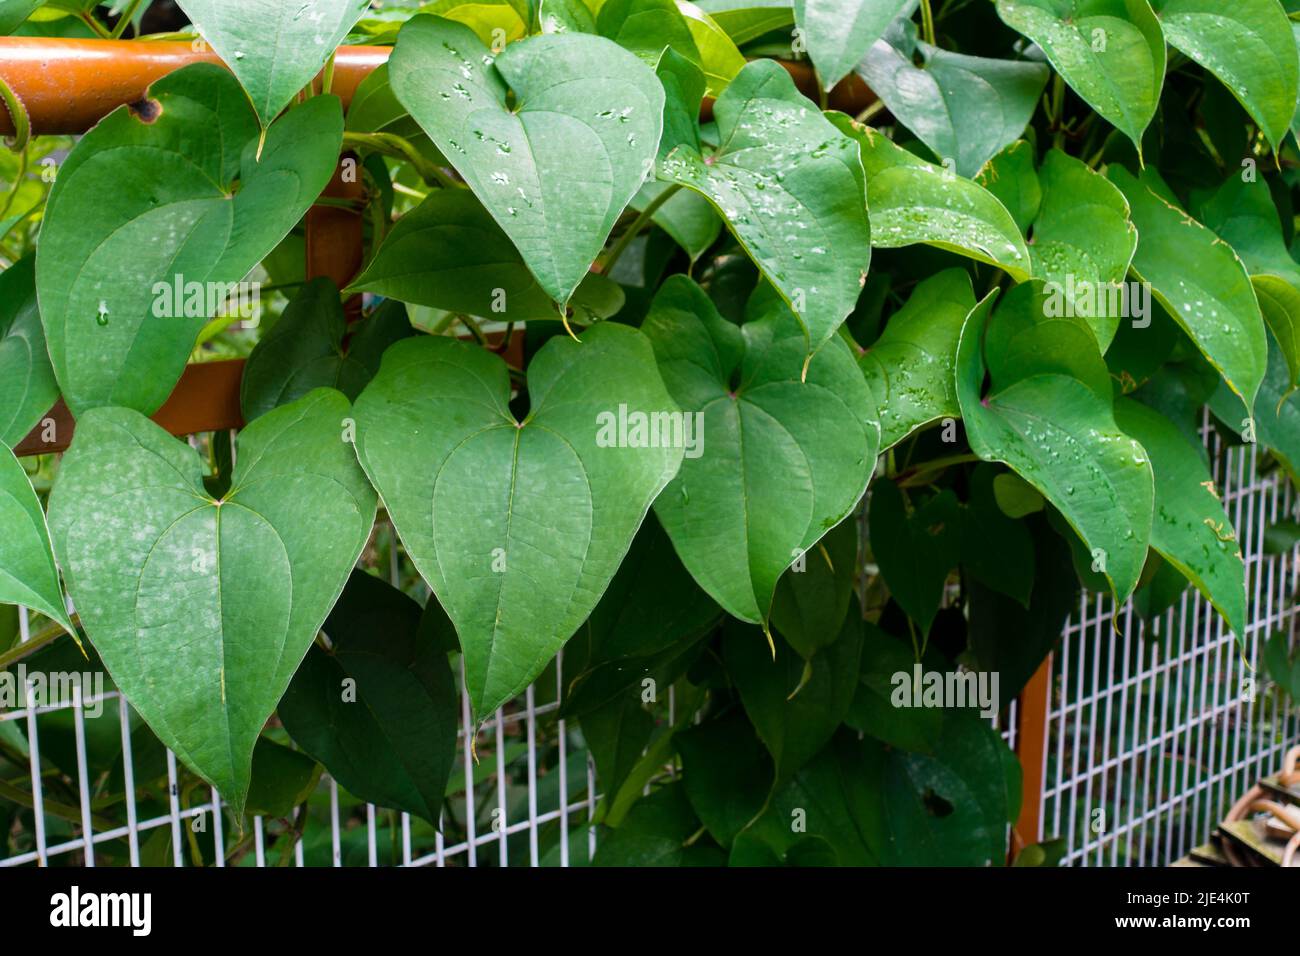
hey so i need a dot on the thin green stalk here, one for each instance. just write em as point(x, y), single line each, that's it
point(55, 809)
point(17, 113)
point(913, 476)
point(638, 224)
point(89, 20)
point(927, 23)
point(35, 643)
point(474, 329)
point(327, 81)
point(124, 21)
point(871, 112)
point(390, 144)
point(1058, 109)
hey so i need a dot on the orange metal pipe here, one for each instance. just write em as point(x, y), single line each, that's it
point(70, 85)
point(1031, 748)
point(206, 399)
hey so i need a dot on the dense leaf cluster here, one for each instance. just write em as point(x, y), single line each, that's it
point(645, 313)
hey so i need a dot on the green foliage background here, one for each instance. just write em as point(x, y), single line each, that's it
point(922, 435)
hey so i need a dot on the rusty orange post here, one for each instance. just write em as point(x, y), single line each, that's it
point(70, 85)
point(206, 399)
point(334, 235)
point(1031, 748)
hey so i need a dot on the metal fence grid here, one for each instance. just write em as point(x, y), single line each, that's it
point(1150, 739)
point(1154, 730)
point(535, 814)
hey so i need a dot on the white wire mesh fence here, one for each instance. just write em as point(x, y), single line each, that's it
point(1152, 732)
point(1155, 728)
point(527, 800)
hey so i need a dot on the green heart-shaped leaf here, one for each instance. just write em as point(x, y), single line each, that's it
point(1050, 417)
point(1111, 52)
point(141, 207)
point(912, 366)
point(392, 741)
point(304, 349)
point(790, 188)
point(517, 526)
point(965, 108)
point(558, 168)
point(914, 201)
point(1083, 240)
point(1199, 280)
point(27, 572)
point(230, 593)
point(1248, 45)
point(274, 47)
point(784, 460)
point(838, 32)
point(449, 253)
point(28, 388)
point(1191, 530)
point(1244, 215)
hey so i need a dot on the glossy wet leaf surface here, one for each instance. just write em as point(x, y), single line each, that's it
point(1191, 529)
point(1247, 44)
point(913, 201)
point(28, 388)
point(769, 481)
point(790, 188)
point(1111, 52)
point(911, 368)
point(574, 151)
point(1084, 241)
point(274, 47)
point(1050, 417)
point(1244, 215)
point(138, 204)
point(230, 592)
point(517, 526)
point(1200, 281)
